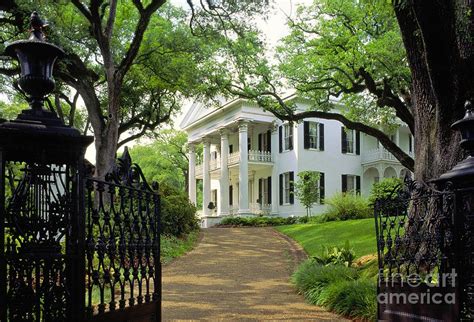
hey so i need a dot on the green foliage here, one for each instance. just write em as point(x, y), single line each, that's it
point(307, 189)
point(352, 298)
point(387, 188)
point(336, 255)
point(258, 221)
point(172, 247)
point(311, 279)
point(338, 288)
point(344, 206)
point(360, 233)
point(346, 36)
point(178, 214)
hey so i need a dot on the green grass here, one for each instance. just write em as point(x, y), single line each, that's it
point(172, 247)
point(360, 233)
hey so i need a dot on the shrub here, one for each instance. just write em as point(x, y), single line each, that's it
point(338, 288)
point(311, 278)
point(336, 255)
point(257, 221)
point(387, 188)
point(178, 215)
point(352, 298)
point(344, 206)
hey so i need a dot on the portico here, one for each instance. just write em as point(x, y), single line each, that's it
point(243, 177)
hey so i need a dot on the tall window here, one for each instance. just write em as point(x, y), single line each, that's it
point(264, 191)
point(287, 135)
point(313, 135)
point(350, 141)
point(286, 188)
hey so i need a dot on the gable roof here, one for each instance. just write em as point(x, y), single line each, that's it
point(199, 110)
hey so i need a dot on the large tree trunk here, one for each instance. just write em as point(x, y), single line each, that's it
point(440, 82)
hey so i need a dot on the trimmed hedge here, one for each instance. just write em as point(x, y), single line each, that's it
point(258, 221)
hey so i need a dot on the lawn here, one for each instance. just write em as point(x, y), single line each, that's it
point(360, 233)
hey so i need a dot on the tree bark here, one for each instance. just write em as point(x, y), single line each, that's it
point(439, 82)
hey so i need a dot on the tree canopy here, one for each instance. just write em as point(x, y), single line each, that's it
point(131, 62)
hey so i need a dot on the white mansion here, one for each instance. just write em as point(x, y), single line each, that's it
point(250, 157)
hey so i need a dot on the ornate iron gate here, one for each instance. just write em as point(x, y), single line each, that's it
point(416, 249)
point(123, 270)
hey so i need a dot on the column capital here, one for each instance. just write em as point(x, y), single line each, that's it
point(223, 131)
point(243, 125)
point(273, 126)
point(206, 141)
point(191, 147)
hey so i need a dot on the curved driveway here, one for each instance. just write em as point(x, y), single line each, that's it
point(237, 274)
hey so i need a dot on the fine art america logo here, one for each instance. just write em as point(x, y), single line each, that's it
point(417, 289)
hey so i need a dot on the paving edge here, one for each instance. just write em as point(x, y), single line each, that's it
point(297, 252)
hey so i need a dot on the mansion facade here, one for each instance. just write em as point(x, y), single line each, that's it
point(250, 159)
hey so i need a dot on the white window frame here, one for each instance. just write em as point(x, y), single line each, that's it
point(313, 137)
point(286, 137)
point(286, 188)
point(351, 148)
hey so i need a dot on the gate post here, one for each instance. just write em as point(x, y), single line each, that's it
point(461, 176)
point(41, 198)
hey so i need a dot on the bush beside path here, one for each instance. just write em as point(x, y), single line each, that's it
point(237, 274)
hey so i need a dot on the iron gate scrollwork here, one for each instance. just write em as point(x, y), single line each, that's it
point(418, 279)
point(38, 214)
point(123, 270)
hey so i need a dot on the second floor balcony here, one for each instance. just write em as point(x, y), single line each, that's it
point(379, 154)
point(254, 156)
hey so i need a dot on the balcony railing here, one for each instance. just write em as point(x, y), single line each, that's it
point(253, 156)
point(379, 154)
point(260, 156)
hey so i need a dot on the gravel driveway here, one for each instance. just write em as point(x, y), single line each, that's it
point(237, 274)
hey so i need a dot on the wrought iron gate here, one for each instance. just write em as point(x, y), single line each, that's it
point(418, 251)
point(122, 246)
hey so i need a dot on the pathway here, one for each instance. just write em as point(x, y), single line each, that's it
point(237, 274)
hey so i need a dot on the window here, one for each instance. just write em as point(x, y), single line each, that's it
point(313, 135)
point(231, 149)
point(286, 137)
point(286, 188)
point(350, 141)
point(265, 141)
point(350, 183)
point(265, 191)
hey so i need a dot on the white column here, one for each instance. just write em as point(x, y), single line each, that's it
point(206, 178)
point(397, 137)
point(224, 180)
point(192, 174)
point(243, 169)
point(275, 178)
